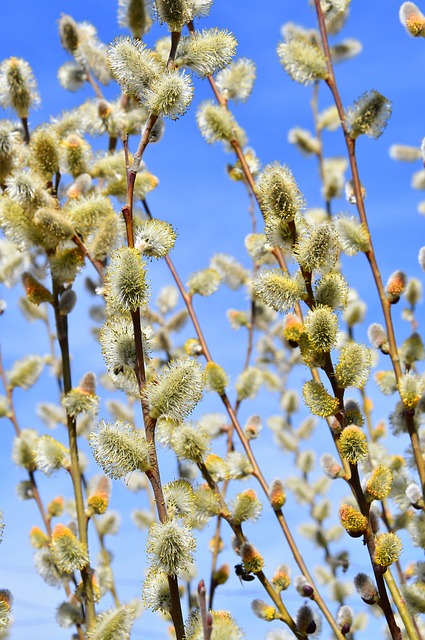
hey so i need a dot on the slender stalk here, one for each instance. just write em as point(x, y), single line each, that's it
point(207, 623)
point(318, 131)
point(409, 622)
point(152, 473)
point(75, 470)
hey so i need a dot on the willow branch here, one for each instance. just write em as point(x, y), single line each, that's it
point(370, 253)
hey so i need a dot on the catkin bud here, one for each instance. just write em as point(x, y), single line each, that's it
point(413, 291)
point(378, 337)
point(414, 495)
point(55, 507)
point(354, 365)
point(50, 455)
point(119, 448)
point(204, 283)
point(279, 193)
point(75, 153)
point(412, 20)
point(421, 257)
point(154, 238)
point(386, 381)
point(35, 291)
point(306, 624)
point(366, 589)
point(216, 378)
point(207, 51)
point(388, 549)
point(134, 14)
point(264, 611)
point(304, 588)
point(353, 444)
point(277, 495)
point(354, 522)
point(379, 484)
point(368, 115)
point(303, 60)
point(246, 506)
point(18, 86)
point(292, 329)
point(353, 413)
point(44, 152)
point(404, 153)
point(190, 442)
point(411, 386)
point(218, 124)
point(252, 560)
point(170, 545)
point(170, 95)
point(318, 400)
point(252, 427)
point(278, 290)
point(38, 538)
point(221, 575)
point(67, 302)
point(23, 451)
point(177, 390)
point(344, 618)
point(68, 553)
point(126, 287)
point(98, 498)
point(25, 372)
point(176, 13)
point(321, 326)
point(330, 466)
point(68, 33)
point(237, 79)
point(132, 65)
point(281, 578)
point(395, 286)
point(105, 239)
point(331, 291)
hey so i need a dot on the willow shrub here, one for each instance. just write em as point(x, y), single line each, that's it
point(78, 220)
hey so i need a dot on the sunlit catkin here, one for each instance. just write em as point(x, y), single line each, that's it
point(321, 325)
point(176, 13)
point(354, 365)
point(68, 553)
point(278, 192)
point(170, 95)
point(133, 65)
point(170, 546)
point(353, 444)
point(18, 88)
point(134, 14)
point(237, 79)
point(207, 51)
point(278, 290)
point(369, 115)
point(177, 390)
point(412, 19)
point(119, 448)
point(318, 400)
point(388, 549)
point(218, 124)
point(302, 60)
point(126, 286)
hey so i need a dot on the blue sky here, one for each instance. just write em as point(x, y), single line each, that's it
point(210, 215)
